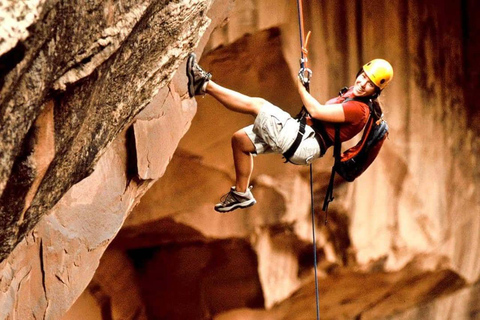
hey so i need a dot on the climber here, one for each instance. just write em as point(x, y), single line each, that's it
point(274, 130)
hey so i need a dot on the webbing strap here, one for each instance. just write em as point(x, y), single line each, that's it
point(320, 130)
point(329, 195)
point(291, 151)
point(336, 153)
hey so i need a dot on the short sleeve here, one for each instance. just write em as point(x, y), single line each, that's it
point(355, 111)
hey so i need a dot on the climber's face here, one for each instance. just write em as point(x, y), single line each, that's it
point(363, 87)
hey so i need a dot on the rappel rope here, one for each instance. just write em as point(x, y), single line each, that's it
point(305, 75)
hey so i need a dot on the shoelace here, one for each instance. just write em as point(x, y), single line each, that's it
point(226, 197)
point(202, 72)
point(233, 197)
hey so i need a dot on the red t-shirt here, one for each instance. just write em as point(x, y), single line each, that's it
point(356, 116)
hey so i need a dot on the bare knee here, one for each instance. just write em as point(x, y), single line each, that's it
point(256, 104)
point(241, 142)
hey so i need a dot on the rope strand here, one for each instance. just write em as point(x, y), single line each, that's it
point(300, 23)
point(314, 242)
point(303, 61)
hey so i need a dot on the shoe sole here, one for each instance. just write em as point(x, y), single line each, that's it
point(235, 206)
point(191, 78)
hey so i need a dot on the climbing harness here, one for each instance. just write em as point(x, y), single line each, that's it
point(305, 75)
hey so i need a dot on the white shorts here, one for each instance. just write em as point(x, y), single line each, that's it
point(274, 131)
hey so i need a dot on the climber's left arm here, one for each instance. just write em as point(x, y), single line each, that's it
point(330, 113)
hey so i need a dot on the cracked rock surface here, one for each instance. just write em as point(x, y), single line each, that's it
point(74, 157)
point(83, 75)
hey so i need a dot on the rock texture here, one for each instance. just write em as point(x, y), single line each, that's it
point(82, 76)
point(73, 150)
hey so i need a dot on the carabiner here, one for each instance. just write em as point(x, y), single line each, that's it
point(305, 74)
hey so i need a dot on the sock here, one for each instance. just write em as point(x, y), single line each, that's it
point(204, 86)
point(243, 194)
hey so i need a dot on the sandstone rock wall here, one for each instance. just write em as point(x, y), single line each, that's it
point(77, 61)
point(76, 153)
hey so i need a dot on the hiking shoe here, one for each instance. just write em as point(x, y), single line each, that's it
point(234, 200)
point(197, 77)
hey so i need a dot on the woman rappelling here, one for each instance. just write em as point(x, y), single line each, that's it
point(276, 131)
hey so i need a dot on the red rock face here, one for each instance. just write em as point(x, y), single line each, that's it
point(94, 144)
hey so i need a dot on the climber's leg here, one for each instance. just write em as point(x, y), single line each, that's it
point(240, 195)
point(199, 83)
point(242, 148)
point(233, 100)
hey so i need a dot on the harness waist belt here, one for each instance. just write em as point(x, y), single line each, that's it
point(321, 135)
point(301, 131)
point(321, 143)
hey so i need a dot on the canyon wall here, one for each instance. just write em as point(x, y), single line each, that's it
point(87, 90)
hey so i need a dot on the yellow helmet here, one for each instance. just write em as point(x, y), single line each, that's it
point(379, 71)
